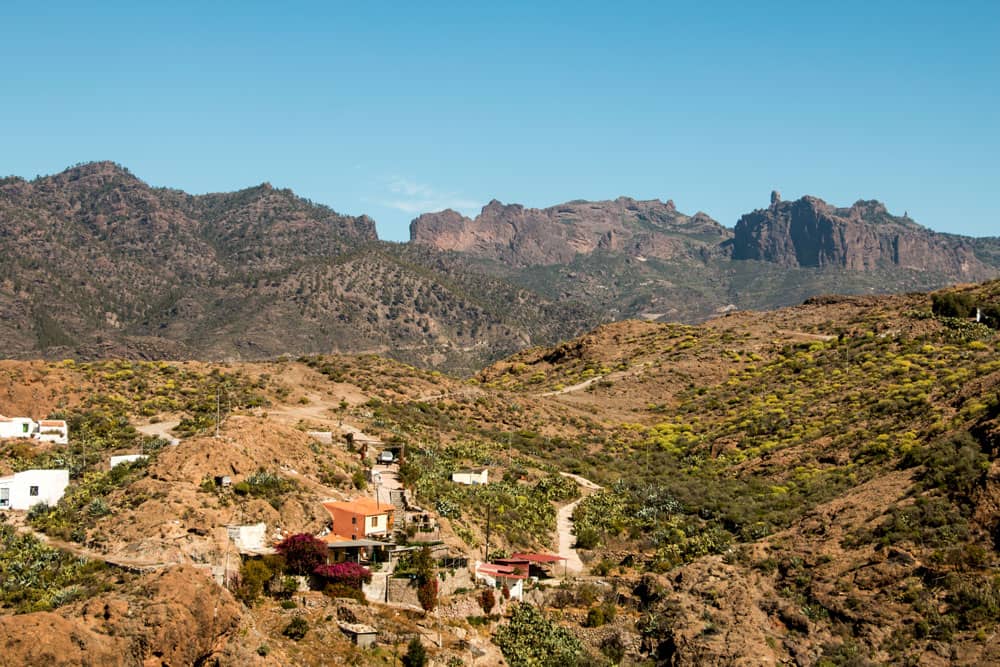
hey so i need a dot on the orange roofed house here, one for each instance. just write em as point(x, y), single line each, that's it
point(360, 518)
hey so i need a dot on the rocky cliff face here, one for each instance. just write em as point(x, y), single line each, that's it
point(521, 236)
point(809, 232)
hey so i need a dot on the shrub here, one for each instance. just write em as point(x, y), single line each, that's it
point(416, 654)
point(427, 595)
point(613, 647)
point(347, 574)
point(487, 600)
point(296, 628)
point(531, 639)
point(587, 538)
point(254, 574)
point(953, 304)
point(303, 553)
point(288, 604)
point(343, 591)
point(595, 618)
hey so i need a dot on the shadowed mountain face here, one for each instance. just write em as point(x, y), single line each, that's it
point(97, 263)
point(810, 232)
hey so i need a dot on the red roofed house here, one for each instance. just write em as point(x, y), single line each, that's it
point(497, 576)
point(360, 518)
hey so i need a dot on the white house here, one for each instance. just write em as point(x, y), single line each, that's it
point(127, 458)
point(47, 430)
point(53, 430)
point(471, 476)
point(23, 490)
point(17, 427)
point(248, 537)
point(498, 576)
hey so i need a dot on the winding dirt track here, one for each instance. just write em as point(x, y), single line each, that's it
point(564, 525)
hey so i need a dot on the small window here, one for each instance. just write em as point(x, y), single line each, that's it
point(24, 428)
point(354, 519)
point(374, 521)
point(32, 490)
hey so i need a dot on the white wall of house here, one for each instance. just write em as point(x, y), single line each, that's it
point(17, 427)
point(514, 584)
point(26, 489)
point(249, 536)
point(53, 430)
point(376, 524)
point(127, 458)
point(470, 478)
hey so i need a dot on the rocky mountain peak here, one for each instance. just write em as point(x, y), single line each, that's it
point(809, 232)
point(514, 234)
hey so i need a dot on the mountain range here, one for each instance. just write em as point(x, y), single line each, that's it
point(97, 263)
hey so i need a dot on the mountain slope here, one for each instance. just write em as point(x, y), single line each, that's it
point(100, 264)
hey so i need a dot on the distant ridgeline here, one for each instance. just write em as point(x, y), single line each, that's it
point(99, 264)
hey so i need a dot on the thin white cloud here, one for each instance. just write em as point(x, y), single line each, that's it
point(412, 197)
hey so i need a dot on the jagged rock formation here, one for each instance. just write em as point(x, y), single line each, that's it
point(523, 236)
point(809, 232)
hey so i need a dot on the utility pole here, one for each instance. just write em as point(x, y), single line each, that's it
point(218, 410)
point(489, 515)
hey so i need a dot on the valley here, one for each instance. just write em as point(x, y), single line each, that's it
point(815, 484)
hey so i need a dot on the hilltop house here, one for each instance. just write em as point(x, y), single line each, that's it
point(23, 490)
point(47, 430)
point(497, 576)
point(17, 427)
point(471, 476)
point(53, 430)
point(360, 518)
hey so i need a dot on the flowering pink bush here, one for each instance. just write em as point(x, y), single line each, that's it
point(347, 574)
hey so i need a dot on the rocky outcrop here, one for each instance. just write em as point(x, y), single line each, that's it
point(521, 236)
point(174, 617)
point(809, 232)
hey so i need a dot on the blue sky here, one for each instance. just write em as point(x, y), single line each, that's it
point(392, 109)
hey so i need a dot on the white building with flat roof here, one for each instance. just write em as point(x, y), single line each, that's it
point(47, 430)
point(17, 427)
point(28, 488)
point(53, 430)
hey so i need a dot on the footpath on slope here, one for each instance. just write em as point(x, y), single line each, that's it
point(564, 525)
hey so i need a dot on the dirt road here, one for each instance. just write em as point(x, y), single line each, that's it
point(564, 525)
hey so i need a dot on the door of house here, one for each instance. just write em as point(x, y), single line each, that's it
point(5, 497)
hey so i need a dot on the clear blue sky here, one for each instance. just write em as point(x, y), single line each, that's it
point(391, 109)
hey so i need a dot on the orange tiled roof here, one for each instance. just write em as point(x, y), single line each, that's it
point(365, 506)
point(52, 422)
